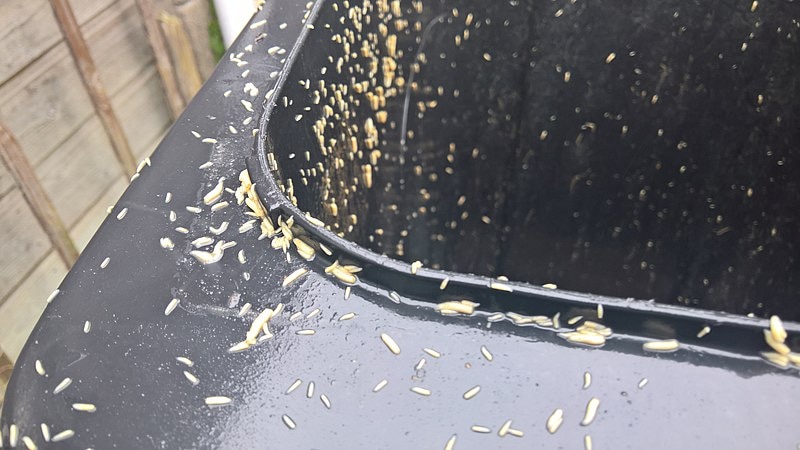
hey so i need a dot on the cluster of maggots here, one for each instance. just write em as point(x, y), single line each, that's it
point(341, 137)
point(371, 61)
point(349, 118)
point(382, 53)
point(587, 330)
point(775, 337)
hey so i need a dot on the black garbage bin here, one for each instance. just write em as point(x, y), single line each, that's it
point(449, 224)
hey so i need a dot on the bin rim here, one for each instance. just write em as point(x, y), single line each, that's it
point(277, 202)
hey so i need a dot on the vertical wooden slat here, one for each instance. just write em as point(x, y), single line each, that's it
point(91, 79)
point(163, 62)
point(185, 62)
point(6, 366)
point(196, 18)
point(23, 174)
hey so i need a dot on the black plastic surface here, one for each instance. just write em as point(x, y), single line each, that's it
point(712, 393)
point(644, 150)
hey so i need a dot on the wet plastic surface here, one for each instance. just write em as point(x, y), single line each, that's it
point(714, 392)
point(597, 147)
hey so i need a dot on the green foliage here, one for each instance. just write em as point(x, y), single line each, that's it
point(215, 34)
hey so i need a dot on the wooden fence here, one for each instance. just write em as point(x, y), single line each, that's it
point(87, 89)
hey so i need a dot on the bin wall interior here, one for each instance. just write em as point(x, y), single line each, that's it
point(644, 149)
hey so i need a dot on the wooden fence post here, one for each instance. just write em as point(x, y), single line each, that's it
point(91, 79)
point(163, 62)
point(23, 174)
point(185, 62)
